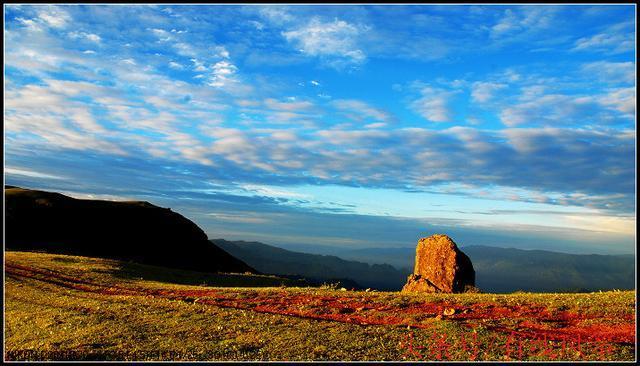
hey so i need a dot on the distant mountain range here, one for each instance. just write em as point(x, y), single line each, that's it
point(144, 233)
point(500, 270)
point(328, 268)
point(508, 269)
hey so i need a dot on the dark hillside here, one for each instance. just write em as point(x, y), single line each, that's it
point(134, 231)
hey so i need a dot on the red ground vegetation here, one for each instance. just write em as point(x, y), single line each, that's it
point(529, 319)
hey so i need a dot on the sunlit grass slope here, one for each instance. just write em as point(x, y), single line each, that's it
point(68, 307)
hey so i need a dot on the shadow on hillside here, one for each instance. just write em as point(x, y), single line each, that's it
point(130, 271)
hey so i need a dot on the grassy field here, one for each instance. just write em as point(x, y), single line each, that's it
point(64, 307)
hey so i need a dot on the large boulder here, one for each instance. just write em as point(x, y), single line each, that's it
point(440, 267)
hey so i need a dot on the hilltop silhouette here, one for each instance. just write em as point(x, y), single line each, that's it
point(135, 231)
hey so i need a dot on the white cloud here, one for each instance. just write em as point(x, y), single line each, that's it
point(54, 17)
point(274, 14)
point(30, 173)
point(198, 65)
point(523, 20)
point(128, 61)
point(184, 49)
point(284, 135)
point(537, 108)
point(618, 38)
point(93, 37)
point(175, 65)
point(243, 218)
point(375, 125)
point(483, 91)
point(508, 23)
point(288, 106)
point(611, 72)
point(247, 103)
point(359, 110)
point(616, 42)
point(30, 24)
point(83, 35)
point(272, 191)
point(603, 223)
point(222, 73)
point(48, 113)
point(221, 52)
point(547, 110)
point(335, 40)
point(434, 104)
point(160, 33)
point(622, 100)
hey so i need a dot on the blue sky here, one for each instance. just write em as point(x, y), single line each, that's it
point(350, 126)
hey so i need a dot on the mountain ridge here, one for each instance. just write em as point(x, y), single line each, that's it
point(271, 259)
point(497, 269)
